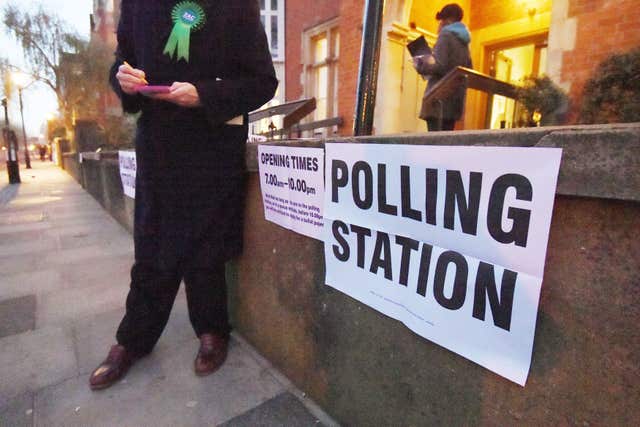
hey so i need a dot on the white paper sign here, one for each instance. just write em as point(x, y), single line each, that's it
point(128, 172)
point(292, 183)
point(451, 241)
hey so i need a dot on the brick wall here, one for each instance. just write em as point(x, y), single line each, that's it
point(300, 16)
point(351, 14)
point(603, 28)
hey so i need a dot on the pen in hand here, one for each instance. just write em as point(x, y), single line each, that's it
point(142, 78)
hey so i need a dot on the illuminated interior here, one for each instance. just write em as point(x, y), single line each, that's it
point(508, 42)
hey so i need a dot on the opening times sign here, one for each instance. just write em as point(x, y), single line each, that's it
point(127, 160)
point(292, 183)
point(451, 241)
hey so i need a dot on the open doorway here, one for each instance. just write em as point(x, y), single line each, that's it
point(512, 62)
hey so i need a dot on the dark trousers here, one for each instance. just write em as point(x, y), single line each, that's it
point(151, 298)
point(433, 124)
point(163, 260)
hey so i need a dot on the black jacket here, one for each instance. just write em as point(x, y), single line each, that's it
point(190, 162)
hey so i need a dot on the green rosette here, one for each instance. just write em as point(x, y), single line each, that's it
point(187, 16)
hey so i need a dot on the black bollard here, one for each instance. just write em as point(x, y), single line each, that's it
point(11, 144)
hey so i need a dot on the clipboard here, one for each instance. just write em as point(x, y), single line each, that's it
point(419, 47)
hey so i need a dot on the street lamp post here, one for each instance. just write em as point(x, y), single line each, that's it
point(21, 80)
point(27, 158)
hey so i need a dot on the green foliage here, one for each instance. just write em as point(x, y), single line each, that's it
point(612, 95)
point(542, 95)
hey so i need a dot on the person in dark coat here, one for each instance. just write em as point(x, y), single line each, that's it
point(190, 152)
point(450, 51)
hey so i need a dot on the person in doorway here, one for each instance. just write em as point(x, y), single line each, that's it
point(194, 69)
point(450, 51)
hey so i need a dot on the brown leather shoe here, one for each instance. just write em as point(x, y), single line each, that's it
point(114, 367)
point(212, 354)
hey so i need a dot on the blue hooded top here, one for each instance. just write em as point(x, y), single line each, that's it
point(459, 30)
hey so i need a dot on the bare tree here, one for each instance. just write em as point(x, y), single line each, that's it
point(74, 69)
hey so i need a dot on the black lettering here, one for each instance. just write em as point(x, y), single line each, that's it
point(501, 308)
point(467, 208)
point(361, 232)
point(425, 265)
point(459, 284)
point(405, 193)
point(383, 245)
point(338, 181)
point(519, 232)
point(367, 201)
point(408, 245)
point(383, 207)
point(337, 227)
point(431, 198)
point(315, 164)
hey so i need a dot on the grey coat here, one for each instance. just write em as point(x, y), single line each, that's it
point(451, 50)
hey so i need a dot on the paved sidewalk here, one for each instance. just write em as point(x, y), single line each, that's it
point(64, 275)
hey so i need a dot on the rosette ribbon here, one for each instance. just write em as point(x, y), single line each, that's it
point(187, 16)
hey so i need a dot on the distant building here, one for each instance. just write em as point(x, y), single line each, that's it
point(104, 20)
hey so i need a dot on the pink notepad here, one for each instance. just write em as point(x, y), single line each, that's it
point(149, 89)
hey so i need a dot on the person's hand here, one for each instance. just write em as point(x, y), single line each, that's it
point(129, 78)
point(419, 60)
point(182, 94)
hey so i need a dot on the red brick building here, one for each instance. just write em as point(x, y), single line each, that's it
point(511, 39)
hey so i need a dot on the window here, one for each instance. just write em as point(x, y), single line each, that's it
point(321, 52)
point(272, 17)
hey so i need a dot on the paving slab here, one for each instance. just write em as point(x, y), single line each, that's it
point(26, 263)
point(26, 217)
point(15, 228)
point(161, 390)
point(35, 359)
point(72, 228)
point(86, 254)
point(113, 269)
point(10, 237)
point(22, 247)
point(8, 193)
point(59, 308)
point(17, 315)
point(17, 412)
point(284, 410)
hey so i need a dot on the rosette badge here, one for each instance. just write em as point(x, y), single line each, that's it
point(187, 16)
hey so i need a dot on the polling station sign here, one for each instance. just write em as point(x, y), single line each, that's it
point(451, 241)
point(127, 160)
point(292, 183)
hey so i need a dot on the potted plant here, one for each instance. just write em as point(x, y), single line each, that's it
point(543, 100)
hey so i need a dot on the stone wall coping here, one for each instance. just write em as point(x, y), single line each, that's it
point(599, 161)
